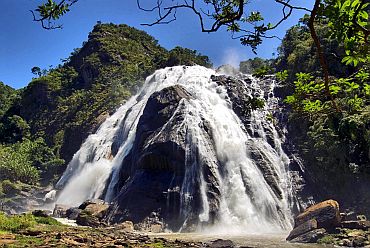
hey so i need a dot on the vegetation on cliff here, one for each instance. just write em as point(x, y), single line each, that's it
point(331, 131)
point(45, 123)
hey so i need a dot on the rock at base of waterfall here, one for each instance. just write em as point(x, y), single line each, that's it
point(95, 208)
point(325, 227)
point(326, 214)
point(310, 237)
point(86, 219)
point(126, 226)
point(60, 211)
point(92, 212)
point(356, 224)
point(313, 223)
point(40, 213)
point(72, 213)
point(221, 243)
point(151, 223)
point(302, 229)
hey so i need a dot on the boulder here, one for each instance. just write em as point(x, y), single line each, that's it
point(90, 202)
point(97, 210)
point(126, 226)
point(221, 243)
point(92, 212)
point(360, 224)
point(326, 214)
point(40, 213)
point(302, 229)
point(310, 237)
point(50, 196)
point(60, 211)
point(86, 219)
point(72, 213)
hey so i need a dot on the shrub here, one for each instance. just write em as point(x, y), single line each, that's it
point(17, 222)
point(47, 221)
point(9, 187)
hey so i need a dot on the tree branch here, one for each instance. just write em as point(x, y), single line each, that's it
point(46, 18)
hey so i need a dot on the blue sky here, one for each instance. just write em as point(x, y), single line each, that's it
point(24, 44)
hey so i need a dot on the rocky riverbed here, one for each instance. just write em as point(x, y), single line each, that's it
point(67, 236)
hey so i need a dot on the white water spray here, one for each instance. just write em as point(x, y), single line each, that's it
point(248, 201)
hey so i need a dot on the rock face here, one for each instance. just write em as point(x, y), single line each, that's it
point(154, 169)
point(186, 152)
point(170, 163)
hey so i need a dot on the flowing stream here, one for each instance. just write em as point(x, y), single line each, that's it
point(255, 196)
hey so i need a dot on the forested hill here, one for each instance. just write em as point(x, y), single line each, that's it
point(62, 106)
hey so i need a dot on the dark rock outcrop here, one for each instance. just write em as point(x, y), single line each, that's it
point(239, 96)
point(156, 165)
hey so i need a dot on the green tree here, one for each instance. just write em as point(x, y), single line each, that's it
point(185, 56)
point(251, 65)
point(13, 129)
point(36, 71)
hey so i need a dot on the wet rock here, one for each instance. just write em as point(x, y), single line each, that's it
point(91, 202)
point(358, 241)
point(325, 213)
point(92, 212)
point(310, 237)
point(87, 219)
point(302, 229)
point(221, 243)
point(238, 95)
point(151, 224)
point(361, 217)
point(40, 213)
point(126, 226)
point(347, 242)
point(60, 211)
point(156, 165)
point(31, 232)
point(97, 210)
point(363, 225)
point(72, 213)
point(349, 216)
point(156, 228)
point(50, 196)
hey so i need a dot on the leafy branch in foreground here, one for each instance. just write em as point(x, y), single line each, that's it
point(350, 94)
point(50, 11)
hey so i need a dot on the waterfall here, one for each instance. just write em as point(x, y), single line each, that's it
point(245, 162)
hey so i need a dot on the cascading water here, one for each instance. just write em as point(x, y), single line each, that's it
point(244, 163)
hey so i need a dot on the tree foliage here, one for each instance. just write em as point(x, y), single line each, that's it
point(28, 161)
